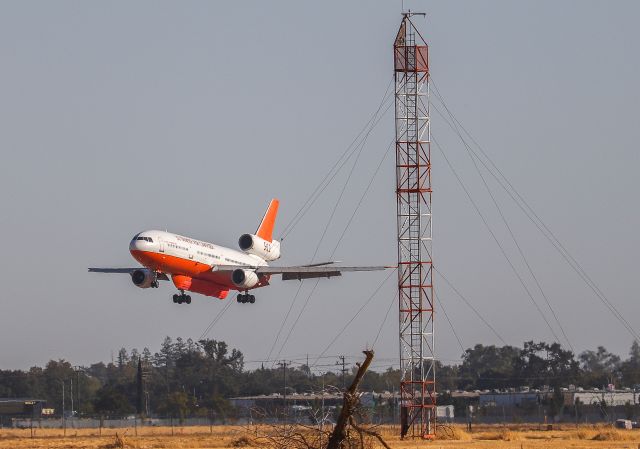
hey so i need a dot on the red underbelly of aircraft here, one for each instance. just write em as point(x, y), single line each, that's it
point(203, 280)
point(199, 286)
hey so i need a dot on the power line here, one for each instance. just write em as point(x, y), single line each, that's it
point(285, 320)
point(344, 231)
point(453, 329)
point(333, 211)
point(319, 188)
point(364, 194)
point(293, 326)
point(478, 314)
point(354, 316)
point(504, 220)
point(384, 320)
point(545, 230)
point(215, 320)
point(504, 253)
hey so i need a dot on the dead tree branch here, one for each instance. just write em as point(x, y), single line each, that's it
point(371, 433)
point(350, 403)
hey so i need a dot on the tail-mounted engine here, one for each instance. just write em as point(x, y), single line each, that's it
point(252, 244)
point(244, 279)
point(144, 278)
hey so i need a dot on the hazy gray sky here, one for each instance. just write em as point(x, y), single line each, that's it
point(117, 117)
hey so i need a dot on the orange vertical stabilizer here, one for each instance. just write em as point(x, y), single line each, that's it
point(265, 230)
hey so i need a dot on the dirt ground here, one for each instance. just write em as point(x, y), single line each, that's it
point(485, 437)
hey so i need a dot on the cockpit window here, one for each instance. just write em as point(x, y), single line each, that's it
point(146, 239)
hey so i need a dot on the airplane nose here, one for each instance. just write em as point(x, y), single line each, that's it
point(134, 245)
point(142, 243)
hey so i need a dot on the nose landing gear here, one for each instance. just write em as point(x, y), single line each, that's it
point(181, 298)
point(246, 298)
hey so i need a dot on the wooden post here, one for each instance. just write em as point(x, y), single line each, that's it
point(349, 404)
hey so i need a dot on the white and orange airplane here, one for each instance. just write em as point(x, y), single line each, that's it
point(212, 270)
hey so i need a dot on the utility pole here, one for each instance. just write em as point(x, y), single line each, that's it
point(343, 370)
point(77, 370)
point(284, 365)
point(140, 388)
point(64, 426)
point(322, 417)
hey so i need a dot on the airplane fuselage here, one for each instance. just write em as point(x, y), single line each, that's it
point(191, 263)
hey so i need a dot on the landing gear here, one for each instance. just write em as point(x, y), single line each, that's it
point(243, 299)
point(181, 298)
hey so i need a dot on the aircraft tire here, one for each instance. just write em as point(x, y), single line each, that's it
point(175, 299)
point(252, 299)
point(188, 299)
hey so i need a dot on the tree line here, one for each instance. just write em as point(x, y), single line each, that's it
point(197, 378)
point(540, 364)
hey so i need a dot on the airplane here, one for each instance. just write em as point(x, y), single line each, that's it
point(212, 270)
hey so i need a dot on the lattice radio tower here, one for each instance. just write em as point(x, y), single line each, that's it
point(415, 264)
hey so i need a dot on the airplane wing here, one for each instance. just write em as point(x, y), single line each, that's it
point(300, 272)
point(161, 276)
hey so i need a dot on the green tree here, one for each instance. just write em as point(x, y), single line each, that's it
point(487, 367)
point(546, 364)
point(112, 401)
point(600, 368)
point(177, 404)
point(146, 356)
point(630, 368)
point(123, 358)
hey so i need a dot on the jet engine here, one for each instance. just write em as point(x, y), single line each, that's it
point(244, 279)
point(143, 278)
point(252, 244)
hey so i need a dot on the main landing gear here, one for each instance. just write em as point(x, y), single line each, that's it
point(182, 298)
point(246, 298)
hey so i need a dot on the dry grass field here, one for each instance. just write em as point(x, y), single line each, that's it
point(484, 437)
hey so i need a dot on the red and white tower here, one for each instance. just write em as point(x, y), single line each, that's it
point(415, 263)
